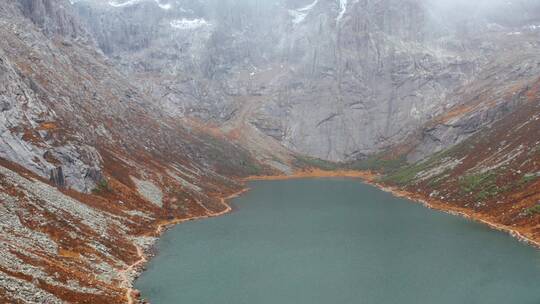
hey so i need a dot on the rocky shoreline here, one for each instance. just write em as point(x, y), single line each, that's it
point(368, 177)
point(468, 214)
point(146, 253)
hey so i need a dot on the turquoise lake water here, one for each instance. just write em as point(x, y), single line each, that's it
point(338, 241)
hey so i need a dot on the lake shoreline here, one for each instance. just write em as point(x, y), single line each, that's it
point(370, 178)
point(145, 254)
point(134, 270)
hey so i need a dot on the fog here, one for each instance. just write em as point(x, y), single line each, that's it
point(502, 12)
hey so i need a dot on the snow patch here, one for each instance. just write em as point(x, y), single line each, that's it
point(116, 3)
point(343, 9)
point(119, 3)
point(297, 16)
point(166, 7)
point(189, 24)
point(300, 14)
point(343, 5)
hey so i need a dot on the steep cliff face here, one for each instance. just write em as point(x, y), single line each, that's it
point(363, 80)
point(53, 17)
point(30, 123)
point(336, 79)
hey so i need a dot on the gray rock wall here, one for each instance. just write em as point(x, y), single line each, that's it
point(337, 81)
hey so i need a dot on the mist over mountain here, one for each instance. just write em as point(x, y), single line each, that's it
point(117, 116)
point(337, 79)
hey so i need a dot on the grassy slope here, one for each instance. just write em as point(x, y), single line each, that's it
point(495, 172)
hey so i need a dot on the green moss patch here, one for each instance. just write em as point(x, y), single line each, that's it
point(313, 162)
point(533, 210)
point(378, 163)
point(407, 174)
point(102, 187)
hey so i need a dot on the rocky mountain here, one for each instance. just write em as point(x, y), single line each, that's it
point(120, 116)
point(493, 174)
point(337, 80)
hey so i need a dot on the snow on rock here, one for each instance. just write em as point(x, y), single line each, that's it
point(342, 8)
point(343, 5)
point(300, 14)
point(532, 27)
point(119, 3)
point(116, 3)
point(189, 24)
point(164, 6)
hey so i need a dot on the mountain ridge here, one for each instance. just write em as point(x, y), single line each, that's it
point(115, 119)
